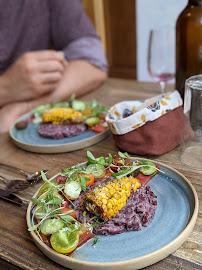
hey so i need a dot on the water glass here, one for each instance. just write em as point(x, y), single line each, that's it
point(192, 150)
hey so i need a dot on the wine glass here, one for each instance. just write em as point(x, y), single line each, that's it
point(161, 55)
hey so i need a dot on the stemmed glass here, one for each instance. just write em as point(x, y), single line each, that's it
point(161, 55)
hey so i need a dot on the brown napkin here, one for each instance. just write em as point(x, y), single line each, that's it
point(153, 137)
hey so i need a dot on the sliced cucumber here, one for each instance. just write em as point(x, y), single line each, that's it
point(148, 168)
point(97, 170)
point(78, 105)
point(92, 121)
point(50, 226)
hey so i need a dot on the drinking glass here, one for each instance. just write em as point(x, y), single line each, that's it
point(161, 55)
point(192, 150)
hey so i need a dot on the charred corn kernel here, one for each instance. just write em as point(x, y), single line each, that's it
point(62, 116)
point(107, 199)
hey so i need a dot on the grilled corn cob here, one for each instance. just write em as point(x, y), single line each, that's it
point(59, 116)
point(107, 199)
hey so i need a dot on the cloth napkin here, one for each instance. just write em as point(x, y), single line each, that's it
point(150, 127)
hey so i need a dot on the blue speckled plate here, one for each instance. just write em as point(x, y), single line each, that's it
point(174, 220)
point(29, 139)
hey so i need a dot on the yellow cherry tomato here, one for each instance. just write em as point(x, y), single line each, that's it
point(64, 241)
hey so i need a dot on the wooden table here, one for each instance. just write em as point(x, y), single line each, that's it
point(16, 246)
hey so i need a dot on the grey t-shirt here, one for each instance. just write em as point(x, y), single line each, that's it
point(32, 25)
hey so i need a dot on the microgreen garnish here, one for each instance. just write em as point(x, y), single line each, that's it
point(67, 218)
point(124, 155)
point(96, 239)
point(90, 157)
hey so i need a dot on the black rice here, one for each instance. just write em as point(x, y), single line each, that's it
point(137, 213)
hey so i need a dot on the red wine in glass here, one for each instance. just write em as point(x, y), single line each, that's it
point(161, 55)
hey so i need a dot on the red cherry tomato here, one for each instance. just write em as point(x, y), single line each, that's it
point(107, 169)
point(99, 128)
point(116, 161)
point(31, 118)
point(84, 237)
point(68, 211)
point(65, 203)
point(102, 117)
point(61, 179)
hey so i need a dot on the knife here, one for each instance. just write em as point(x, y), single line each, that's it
point(6, 195)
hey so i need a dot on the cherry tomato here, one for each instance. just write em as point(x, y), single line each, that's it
point(102, 117)
point(65, 203)
point(68, 211)
point(31, 118)
point(84, 237)
point(90, 176)
point(90, 128)
point(107, 169)
point(99, 128)
point(61, 179)
point(116, 161)
point(64, 241)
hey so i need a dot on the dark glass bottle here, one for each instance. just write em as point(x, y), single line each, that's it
point(188, 43)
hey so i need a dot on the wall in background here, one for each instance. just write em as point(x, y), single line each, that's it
point(151, 14)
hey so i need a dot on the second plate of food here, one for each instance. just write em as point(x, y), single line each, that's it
point(29, 139)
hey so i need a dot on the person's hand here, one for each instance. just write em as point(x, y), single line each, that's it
point(32, 75)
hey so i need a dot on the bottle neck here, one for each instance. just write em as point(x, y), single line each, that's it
point(195, 2)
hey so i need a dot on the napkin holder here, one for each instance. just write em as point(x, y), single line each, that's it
point(155, 126)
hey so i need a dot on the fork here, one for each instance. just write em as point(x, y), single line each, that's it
point(17, 184)
point(14, 185)
point(29, 175)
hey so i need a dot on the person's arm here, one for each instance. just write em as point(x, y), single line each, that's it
point(78, 39)
point(77, 79)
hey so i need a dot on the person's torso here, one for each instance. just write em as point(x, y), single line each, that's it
point(24, 26)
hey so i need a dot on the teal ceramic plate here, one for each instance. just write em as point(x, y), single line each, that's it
point(173, 222)
point(29, 139)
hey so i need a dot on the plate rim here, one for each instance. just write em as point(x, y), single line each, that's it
point(58, 148)
point(129, 264)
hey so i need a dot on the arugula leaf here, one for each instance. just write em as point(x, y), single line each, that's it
point(90, 157)
point(110, 158)
point(123, 155)
point(83, 182)
point(101, 161)
point(54, 213)
point(45, 178)
point(121, 162)
point(124, 172)
point(67, 218)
